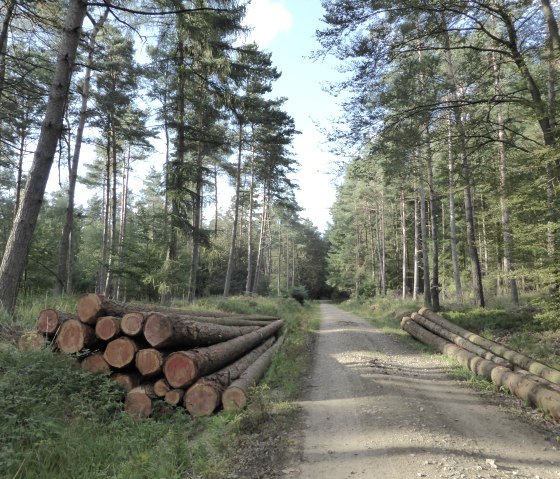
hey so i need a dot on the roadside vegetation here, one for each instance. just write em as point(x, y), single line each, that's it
point(58, 421)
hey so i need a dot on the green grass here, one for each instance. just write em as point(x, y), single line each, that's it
point(57, 421)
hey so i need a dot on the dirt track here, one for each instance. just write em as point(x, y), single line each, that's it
point(375, 408)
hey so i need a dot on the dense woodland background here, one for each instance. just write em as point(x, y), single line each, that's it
point(448, 146)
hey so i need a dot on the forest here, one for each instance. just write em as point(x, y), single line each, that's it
point(448, 146)
point(94, 93)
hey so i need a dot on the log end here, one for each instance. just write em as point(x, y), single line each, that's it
point(132, 324)
point(161, 388)
point(138, 403)
point(201, 399)
point(180, 370)
point(31, 341)
point(174, 396)
point(234, 399)
point(158, 329)
point(95, 363)
point(120, 352)
point(149, 361)
point(48, 321)
point(126, 381)
point(107, 328)
point(72, 336)
point(89, 308)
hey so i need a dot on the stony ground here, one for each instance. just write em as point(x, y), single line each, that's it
point(374, 407)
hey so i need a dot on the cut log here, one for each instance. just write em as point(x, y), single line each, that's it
point(515, 357)
point(139, 400)
point(532, 392)
point(149, 362)
point(108, 328)
point(182, 368)
point(73, 336)
point(459, 341)
point(132, 324)
point(127, 381)
point(235, 397)
point(174, 396)
point(121, 352)
point(231, 321)
point(32, 341)
point(167, 331)
point(95, 363)
point(161, 387)
point(204, 396)
point(92, 306)
point(49, 321)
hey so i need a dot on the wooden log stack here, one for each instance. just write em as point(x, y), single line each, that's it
point(177, 357)
point(533, 382)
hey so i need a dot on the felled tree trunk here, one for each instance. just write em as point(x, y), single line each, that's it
point(204, 396)
point(174, 396)
point(108, 328)
point(149, 362)
point(183, 368)
point(121, 352)
point(92, 306)
point(139, 400)
point(50, 320)
point(32, 341)
point(161, 388)
point(515, 357)
point(235, 397)
point(165, 331)
point(127, 381)
point(523, 387)
point(73, 336)
point(234, 320)
point(95, 363)
point(132, 324)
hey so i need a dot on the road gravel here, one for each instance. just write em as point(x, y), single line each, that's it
point(374, 407)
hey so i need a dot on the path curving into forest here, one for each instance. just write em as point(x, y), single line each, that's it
point(375, 408)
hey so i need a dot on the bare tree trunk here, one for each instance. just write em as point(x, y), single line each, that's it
point(10, 10)
point(435, 287)
point(64, 272)
point(123, 219)
point(383, 252)
point(403, 243)
point(260, 250)
point(425, 247)
point(416, 282)
point(16, 251)
point(248, 288)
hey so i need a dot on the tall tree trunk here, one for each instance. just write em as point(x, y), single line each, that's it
point(403, 243)
point(231, 259)
point(123, 220)
point(250, 225)
point(10, 10)
point(435, 287)
point(64, 272)
point(260, 249)
point(16, 252)
point(416, 274)
point(425, 246)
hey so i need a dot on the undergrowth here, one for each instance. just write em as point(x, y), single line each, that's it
point(58, 421)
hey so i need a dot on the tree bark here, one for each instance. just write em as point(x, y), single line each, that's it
point(16, 251)
point(183, 368)
point(204, 396)
point(235, 397)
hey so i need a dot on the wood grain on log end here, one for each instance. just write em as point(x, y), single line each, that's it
point(89, 308)
point(158, 329)
point(149, 361)
point(180, 370)
point(121, 352)
point(132, 324)
point(174, 396)
point(161, 387)
point(31, 341)
point(95, 363)
point(138, 403)
point(127, 381)
point(201, 399)
point(73, 336)
point(107, 328)
point(48, 321)
point(234, 399)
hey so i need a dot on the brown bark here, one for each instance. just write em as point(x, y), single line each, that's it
point(73, 336)
point(204, 396)
point(515, 357)
point(161, 387)
point(95, 363)
point(127, 381)
point(139, 400)
point(16, 251)
point(235, 397)
point(92, 306)
point(121, 352)
point(165, 331)
point(174, 396)
point(458, 340)
point(132, 324)
point(50, 320)
point(108, 328)
point(240, 320)
point(183, 368)
point(32, 341)
point(149, 362)
point(521, 386)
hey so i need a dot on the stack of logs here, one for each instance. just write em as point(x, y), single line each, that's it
point(536, 383)
point(195, 359)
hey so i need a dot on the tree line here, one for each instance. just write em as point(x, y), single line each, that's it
point(72, 75)
point(451, 116)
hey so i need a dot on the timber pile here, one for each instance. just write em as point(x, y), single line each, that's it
point(171, 356)
point(534, 382)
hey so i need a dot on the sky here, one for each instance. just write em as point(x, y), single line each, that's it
point(286, 29)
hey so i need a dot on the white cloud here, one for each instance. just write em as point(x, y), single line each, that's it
point(267, 18)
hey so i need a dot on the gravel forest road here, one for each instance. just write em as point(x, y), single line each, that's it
point(376, 408)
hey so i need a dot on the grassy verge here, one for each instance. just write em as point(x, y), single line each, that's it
point(57, 421)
